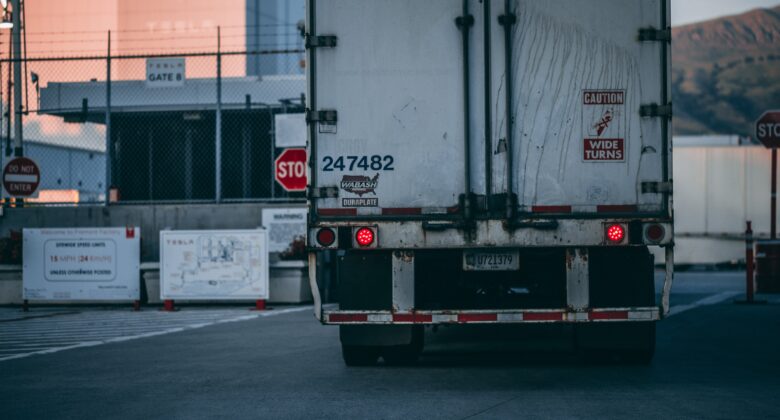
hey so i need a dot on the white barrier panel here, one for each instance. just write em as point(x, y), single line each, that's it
point(214, 265)
point(82, 264)
point(284, 226)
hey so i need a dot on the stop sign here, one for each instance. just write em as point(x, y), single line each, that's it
point(768, 129)
point(290, 170)
point(21, 177)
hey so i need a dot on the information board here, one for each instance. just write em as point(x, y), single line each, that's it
point(214, 264)
point(284, 226)
point(81, 264)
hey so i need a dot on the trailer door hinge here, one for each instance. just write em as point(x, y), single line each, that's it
point(464, 21)
point(321, 41)
point(507, 20)
point(653, 34)
point(327, 116)
point(324, 192)
point(656, 111)
point(655, 187)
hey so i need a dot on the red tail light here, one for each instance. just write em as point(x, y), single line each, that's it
point(326, 237)
point(616, 233)
point(364, 237)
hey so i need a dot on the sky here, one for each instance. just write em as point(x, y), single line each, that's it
point(689, 11)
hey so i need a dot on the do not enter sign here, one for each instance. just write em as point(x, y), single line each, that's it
point(290, 170)
point(21, 177)
point(768, 129)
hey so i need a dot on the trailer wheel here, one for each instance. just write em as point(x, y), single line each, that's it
point(360, 355)
point(407, 354)
point(632, 342)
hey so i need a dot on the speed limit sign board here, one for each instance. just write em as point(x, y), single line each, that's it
point(21, 177)
point(290, 169)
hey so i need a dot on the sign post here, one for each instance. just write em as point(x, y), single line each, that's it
point(21, 177)
point(290, 170)
point(768, 133)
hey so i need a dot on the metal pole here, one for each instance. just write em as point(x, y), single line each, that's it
point(749, 262)
point(109, 154)
point(17, 57)
point(774, 195)
point(218, 122)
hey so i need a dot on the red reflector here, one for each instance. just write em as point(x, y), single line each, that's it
point(655, 233)
point(542, 316)
point(608, 315)
point(477, 317)
point(348, 318)
point(326, 237)
point(616, 233)
point(364, 237)
point(413, 318)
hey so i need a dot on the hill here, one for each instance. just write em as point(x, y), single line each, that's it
point(726, 72)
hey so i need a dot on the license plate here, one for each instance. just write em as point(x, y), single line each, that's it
point(491, 261)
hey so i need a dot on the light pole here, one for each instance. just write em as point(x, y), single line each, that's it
point(17, 60)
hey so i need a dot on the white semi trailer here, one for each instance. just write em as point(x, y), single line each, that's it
point(483, 162)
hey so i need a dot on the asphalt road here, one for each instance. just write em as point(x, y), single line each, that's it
point(715, 359)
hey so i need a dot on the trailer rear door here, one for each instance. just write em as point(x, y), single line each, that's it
point(395, 81)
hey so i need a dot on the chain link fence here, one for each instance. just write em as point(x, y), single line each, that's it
point(166, 128)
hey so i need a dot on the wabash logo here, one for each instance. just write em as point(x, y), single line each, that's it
point(359, 184)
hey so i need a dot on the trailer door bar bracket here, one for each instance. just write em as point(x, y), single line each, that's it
point(328, 116)
point(321, 41)
point(653, 34)
point(656, 111)
point(656, 187)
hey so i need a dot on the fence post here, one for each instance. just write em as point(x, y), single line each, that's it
point(109, 155)
point(218, 122)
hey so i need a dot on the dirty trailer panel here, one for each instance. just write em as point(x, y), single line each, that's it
point(395, 81)
point(575, 143)
point(581, 76)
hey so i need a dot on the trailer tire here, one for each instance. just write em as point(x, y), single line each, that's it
point(407, 354)
point(631, 342)
point(360, 355)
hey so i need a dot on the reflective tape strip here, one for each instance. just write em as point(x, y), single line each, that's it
point(598, 316)
point(543, 316)
point(337, 212)
point(510, 317)
point(347, 318)
point(380, 318)
point(413, 318)
point(577, 316)
point(486, 317)
point(551, 209)
point(477, 317)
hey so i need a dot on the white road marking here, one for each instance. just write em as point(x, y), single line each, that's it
point(709, 300)
point(46, 333)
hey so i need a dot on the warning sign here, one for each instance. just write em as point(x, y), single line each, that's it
point(603, 119)
point(604, 150)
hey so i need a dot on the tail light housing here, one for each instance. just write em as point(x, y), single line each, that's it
point(365, 237)
point(654, 233)
point(323, 237)
point(326, 237)
point(615, 233)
